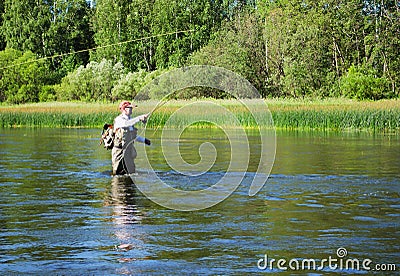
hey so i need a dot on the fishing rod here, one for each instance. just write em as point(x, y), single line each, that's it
point(160, 105)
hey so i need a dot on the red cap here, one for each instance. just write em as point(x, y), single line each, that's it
point(125, 104)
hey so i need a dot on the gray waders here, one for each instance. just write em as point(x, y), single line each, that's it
point(124, 153)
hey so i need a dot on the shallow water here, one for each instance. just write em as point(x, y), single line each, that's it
point(62, 213)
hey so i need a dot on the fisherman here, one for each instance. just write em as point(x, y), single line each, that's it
point(124, 152)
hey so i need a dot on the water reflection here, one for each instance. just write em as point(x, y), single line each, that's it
point(122, 195)
point(122, 199)
point(126, 217)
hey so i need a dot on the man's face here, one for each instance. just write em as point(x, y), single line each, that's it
point(128, 111)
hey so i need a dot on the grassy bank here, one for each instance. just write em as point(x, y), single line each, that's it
point(331, 114)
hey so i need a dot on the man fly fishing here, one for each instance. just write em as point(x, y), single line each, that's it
point(123, 150)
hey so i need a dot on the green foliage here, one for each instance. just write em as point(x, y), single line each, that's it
point(91, 83)
point(156, 31)
point(48, 28)
point(310, 45)
point(362, 83)
point(47, 93)
point(133, 84)
point(235, 47)
point(129, 86)
point(180, 84)
point(2, 40)
point(110, 26)
point(297, 48)
point(283, 47)
point(296, 81)
point(170, 16)
point(21, 76)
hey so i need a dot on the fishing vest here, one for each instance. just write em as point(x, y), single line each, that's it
point(123, 135)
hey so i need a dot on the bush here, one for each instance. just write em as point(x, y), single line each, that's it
point(94, 82)
point(129, 85)
point(47, 94)
point(362, 83)
point(153, 86)
point(133, 85)
point(297, 80)
point(21, 76)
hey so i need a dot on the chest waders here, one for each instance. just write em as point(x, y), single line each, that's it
point(123, 153)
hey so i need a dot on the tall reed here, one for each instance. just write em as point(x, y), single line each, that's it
point(337, 114)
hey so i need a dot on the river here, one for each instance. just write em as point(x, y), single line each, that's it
point(330, 196)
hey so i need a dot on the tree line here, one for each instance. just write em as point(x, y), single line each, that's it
point(109, 49)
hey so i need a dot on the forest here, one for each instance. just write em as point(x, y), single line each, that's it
point(107, 50)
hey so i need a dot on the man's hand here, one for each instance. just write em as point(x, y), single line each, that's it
point(143, 118)
point(147, 141)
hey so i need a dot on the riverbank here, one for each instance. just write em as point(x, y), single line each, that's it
point(329, 114)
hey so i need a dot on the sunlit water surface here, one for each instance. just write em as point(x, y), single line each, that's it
point(62, 213)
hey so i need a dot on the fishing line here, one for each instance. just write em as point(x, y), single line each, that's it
point(160, 105)
point(95, 48)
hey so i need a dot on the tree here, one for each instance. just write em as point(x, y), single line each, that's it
point(141, 53)
point(237, 47)
point(366, 34)
point(153, 34)
point(202, 18)
point(48, 28)
point(2, 40)
point(123, 33)
point(69, 31)
point(310, 45)
point(24, 23)
point(21, 79)
point(383, 39)
point(110, 29)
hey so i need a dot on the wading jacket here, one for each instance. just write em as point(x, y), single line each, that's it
point(125, 131)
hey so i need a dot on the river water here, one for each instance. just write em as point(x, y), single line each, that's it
point(330, 196)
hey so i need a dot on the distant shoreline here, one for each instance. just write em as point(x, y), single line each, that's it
point(330, 114)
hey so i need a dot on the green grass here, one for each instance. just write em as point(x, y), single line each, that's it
point(331, 114)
